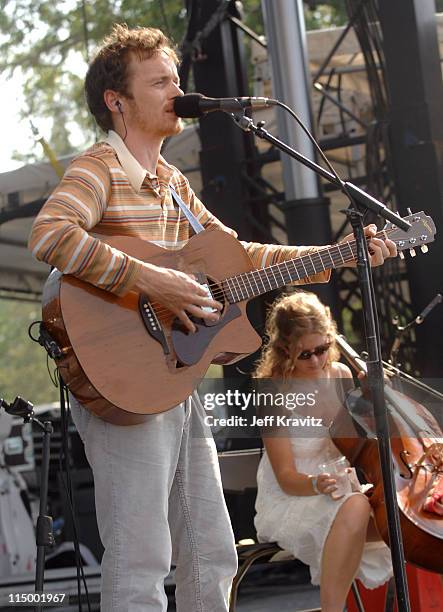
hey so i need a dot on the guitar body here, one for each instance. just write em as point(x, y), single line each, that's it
point(124, 358)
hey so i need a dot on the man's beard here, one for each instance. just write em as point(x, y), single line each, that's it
point(165, 130)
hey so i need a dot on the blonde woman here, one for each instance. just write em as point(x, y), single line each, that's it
point(297, 505)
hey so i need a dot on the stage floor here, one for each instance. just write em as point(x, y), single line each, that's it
point(278, 599)
point(262, 591)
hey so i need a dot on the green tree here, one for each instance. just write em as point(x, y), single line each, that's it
point(49, 43)
point(23, 369)
point(325, 14)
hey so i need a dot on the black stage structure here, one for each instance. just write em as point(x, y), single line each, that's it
point(403, 141)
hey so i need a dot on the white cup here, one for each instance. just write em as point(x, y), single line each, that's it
point(336, 468)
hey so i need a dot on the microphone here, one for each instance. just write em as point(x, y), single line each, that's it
point(195, 105)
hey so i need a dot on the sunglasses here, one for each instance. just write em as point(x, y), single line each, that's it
point(319, 350)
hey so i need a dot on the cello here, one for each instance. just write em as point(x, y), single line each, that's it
point(417, 455)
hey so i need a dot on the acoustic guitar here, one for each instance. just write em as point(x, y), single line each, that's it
point(126, 357)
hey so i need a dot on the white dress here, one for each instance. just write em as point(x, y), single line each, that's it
point(300, 524)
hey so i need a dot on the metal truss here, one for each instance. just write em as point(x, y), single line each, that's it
point(393, 298)
point(374, 175)
point(392, 287)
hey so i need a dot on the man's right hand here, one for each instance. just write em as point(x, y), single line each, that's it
point(178, 292)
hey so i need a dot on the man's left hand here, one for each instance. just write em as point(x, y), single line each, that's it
point(379, 250)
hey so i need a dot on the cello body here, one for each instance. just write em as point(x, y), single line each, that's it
point(417, 453)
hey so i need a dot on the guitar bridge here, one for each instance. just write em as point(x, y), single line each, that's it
point(152, 323)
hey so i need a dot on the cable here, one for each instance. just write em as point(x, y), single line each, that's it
point(64, 457)
point(33, 338)
point(316, 145)
point(120, 110)
point(345, 190)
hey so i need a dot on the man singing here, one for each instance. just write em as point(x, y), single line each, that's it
point(159, 498)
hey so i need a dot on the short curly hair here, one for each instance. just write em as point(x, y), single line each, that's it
point(109, 68)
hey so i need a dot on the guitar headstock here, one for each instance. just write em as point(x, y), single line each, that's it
point(421, 232)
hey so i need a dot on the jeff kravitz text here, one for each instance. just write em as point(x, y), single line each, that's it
point(271, 420)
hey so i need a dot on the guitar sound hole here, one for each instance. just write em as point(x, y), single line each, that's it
point(217, 293)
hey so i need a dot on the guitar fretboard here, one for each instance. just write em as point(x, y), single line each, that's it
point(258, 282)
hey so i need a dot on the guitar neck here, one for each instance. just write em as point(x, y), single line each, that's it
point(258, 282)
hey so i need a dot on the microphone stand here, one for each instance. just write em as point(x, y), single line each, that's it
point(372, 338)
point(44, 534)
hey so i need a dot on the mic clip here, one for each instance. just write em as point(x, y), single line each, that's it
point(49, 344)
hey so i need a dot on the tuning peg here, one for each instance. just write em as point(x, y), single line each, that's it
point(402, 255)
point(409, 211)
point(424, 248)
point(412, 252)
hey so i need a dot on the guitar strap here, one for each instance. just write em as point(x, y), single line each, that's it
point(197, 227)
point(194, 222)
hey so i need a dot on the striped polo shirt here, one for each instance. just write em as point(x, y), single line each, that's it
point(106, 192)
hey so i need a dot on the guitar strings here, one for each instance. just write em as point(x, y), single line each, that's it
point(221, 293)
